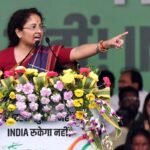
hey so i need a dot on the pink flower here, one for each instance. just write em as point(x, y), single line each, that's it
point(20, 98)
point(25, 114)
point(107, 81)
point(60, 107)
point(59, 86)
point(52, 118)
point(68, 95)
point(28, 88)
point(19, 87)
point(52, 74)
point(37, 117)
point(46, 108)
point(71, 123)
point(44, 100)
point(1, 122)
point(56, 98)
point(33, 106)
point(69, 103)
point(60, 115)
point(85, 71)
point(32, 97)
point(103, 110)
point(8, 74)
point(103, 129)
point(45, 92)
point(64, 114)
point(21, 106)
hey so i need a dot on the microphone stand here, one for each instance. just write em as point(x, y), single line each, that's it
point(34, 46)
point(60, 67)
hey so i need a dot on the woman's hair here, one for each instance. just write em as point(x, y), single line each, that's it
point(134, 133)
point(145, 114)
point(17, 20)
point(136, 77)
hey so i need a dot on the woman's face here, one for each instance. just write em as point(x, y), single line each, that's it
point(140, 142)
point(32, 31)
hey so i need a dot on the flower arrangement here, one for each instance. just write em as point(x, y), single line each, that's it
point(49, 96)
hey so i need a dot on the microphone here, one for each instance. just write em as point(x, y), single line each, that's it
point(56, 57)
point(34, 47)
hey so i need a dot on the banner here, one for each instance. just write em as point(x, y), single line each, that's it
point(32, 136)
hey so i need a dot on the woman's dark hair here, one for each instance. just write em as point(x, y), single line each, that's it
point(145, 114)
point(134, 133)
point(17, 20)
point(136, 77)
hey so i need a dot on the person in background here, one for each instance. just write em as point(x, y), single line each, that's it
point(25, 32)
point(139, 124)
point(146, 113)
point(129, 102)
point(138, 139)
point(128, 110)
point(142, 120)
point(110, 75)
point(133, 78)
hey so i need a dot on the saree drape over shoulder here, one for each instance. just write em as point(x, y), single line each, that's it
point(43, 58)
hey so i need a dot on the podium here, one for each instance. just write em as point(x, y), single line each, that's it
point(40, 96)
point(33, 136)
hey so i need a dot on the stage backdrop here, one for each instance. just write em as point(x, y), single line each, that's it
point(73, 22)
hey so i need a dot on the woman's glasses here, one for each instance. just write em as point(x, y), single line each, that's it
point(35, 27)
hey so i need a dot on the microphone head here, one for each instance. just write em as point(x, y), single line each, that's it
point(36, 44)
point(47, 39)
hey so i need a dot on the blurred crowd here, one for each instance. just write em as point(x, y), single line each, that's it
point(132, 104)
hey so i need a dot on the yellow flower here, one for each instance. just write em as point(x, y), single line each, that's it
point(1, 73)
point(42, 74)
point(31, 71)
point(12, 95)
point(79, 115)
point(92, 105)
point(78, 102)
point(11, 107)
point(1, 110)
point(90, 96)
point(67, 78)
point(78, 93)
point(1, 95)
point(78, 76)
point(67, 71)
point(93, 76)
point(10, 121)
